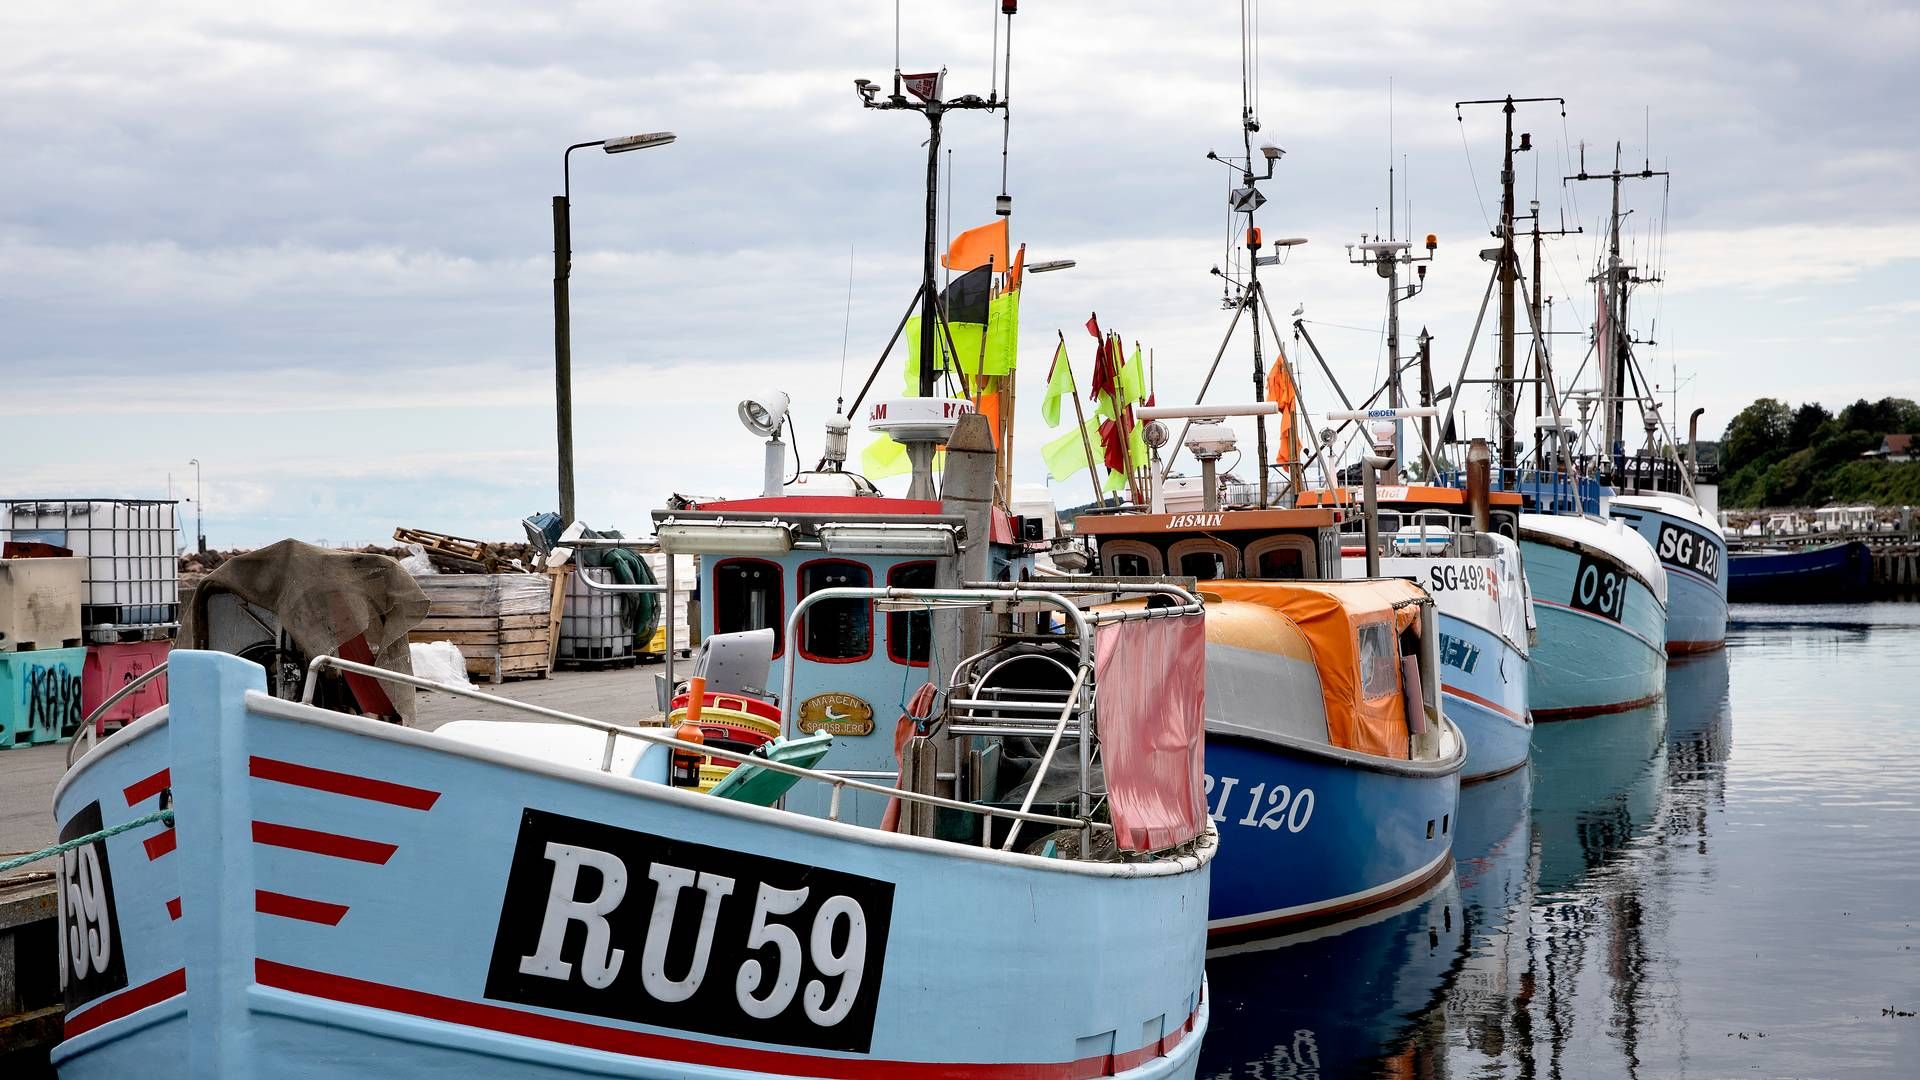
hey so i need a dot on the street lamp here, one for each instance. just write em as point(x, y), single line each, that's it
point(562, 269)
point(199, 509)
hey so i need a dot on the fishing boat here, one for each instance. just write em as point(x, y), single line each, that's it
point(1692, 549)
point(337, 896)
point(1477, 579)
point(1825, 573)
point(1332, 768)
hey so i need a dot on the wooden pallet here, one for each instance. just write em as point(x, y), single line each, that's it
point(502, 623)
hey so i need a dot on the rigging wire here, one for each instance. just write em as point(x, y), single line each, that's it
point(1471, 174)
point(846, 330)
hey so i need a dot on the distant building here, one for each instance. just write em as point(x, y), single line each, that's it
point(1893, 448)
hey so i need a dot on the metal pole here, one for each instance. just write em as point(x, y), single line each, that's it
point(1508, 266)
point(1238, 310)
point(563, 354)
point(1394, 400)
point(929, 294)
point(1080, 418)
point(1372, 517)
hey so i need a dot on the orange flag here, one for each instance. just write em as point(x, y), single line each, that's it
point(1280, 391)
point(975, 246)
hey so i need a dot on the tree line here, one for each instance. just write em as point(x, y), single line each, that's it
point(1774, 454)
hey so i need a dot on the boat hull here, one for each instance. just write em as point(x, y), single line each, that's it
point(1602, 633)
point(1694, 555)
point(346, 898)
point(1485, 681)
point(1315, 835)
point(1830, 573)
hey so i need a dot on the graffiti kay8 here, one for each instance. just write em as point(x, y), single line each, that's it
point(605, 920)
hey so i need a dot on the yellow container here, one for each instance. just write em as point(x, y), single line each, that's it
point(711, 774)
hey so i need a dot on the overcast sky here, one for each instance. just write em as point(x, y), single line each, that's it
point(310, 243)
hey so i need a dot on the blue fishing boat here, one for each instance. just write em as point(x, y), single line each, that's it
point(1828, 573)
point(1600, 600)
point(1479, 587)
point(1692, 550)
point(1332, 776)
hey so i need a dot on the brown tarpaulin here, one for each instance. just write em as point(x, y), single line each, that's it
point(324, 598)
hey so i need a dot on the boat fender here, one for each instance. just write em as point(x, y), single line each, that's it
point(1413, 695)
point(916, 720)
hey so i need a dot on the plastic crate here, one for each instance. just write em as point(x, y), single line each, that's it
point(40, 696)
point(110, 667)
point(131, 548)
point(40, 603)
point(593, 624)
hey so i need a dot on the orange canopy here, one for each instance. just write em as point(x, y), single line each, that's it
point(1353, 628)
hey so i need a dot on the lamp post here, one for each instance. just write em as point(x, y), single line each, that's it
point(562, 269)
point(199, 510)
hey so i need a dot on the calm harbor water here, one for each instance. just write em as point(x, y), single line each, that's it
point(1725, 884)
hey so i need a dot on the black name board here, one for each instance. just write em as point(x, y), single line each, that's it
point(657, 930)
point(1600, 588)
point(1689, 550)
point(91, 961)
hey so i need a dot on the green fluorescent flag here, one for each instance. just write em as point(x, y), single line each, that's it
point(1133, 379)
point(883, 458)
point(1067, 454)
point(1059, 385)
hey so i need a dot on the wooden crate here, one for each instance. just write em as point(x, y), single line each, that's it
point(502, 623)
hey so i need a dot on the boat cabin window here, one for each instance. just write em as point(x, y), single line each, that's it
point(748, 594)
point(910, 633)
point(1130, 558)
point(836, 630)
point(1379, 661)
point(1280, 558)
point(1204, 560)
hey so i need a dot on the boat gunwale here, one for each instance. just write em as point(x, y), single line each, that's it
point(1207, 843)
point(1410, 768)
point(1581, 547)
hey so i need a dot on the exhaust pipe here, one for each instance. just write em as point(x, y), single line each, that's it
point(1480, 484)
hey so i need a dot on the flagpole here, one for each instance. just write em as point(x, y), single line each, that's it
point(1080, 417)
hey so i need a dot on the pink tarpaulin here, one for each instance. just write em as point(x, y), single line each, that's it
point(1152, 682)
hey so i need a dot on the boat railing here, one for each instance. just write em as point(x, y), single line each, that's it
point(1072, 712)
point(88, 733)
point(660, 736)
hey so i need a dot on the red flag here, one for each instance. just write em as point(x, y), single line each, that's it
point(1104, 374)
point(1093, 325)
point(926, 87)
point(1113, 448)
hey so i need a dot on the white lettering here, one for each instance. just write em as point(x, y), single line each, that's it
point(599, 961)
point(666, 900)
point(771, 901)
point(849, 963)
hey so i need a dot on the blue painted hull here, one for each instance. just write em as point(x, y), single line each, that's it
point(1695, 560)
point(1826, 574)
point(341, 898)
point(1585, 663)
point(1485, 682)
point(1310, 836)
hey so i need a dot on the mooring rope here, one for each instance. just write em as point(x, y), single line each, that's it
point(81, 841)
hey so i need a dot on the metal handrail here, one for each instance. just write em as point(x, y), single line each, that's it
point(664, 586)
point(87, 725)
point(614, 732)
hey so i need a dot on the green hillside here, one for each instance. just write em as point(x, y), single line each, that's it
point(1776, 455)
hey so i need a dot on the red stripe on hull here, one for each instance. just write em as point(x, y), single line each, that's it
point(1337, 913)
point(127, 1002)
point(1478, 700)
point(297, 907)
point(1579, 711)
point(323, 843)
point(591, 1036)
point(142, 790)
point(160, 843)
point(1689, 648)
point(339, 783)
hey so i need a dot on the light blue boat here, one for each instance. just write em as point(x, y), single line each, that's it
point(1480, 590)
point(1693, 551)
point(339, 897)
point(1600, 602)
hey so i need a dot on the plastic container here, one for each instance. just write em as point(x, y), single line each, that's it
point(40, 603)
point(110, 667)
point(593, 624)
point(131, 548)
point(40, 696)
point(731, 717)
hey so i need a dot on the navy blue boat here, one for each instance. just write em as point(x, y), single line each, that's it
point(1829, 573)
